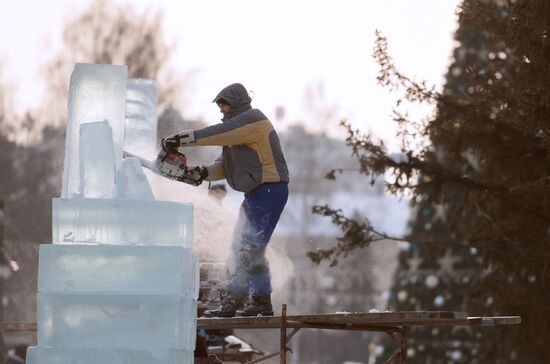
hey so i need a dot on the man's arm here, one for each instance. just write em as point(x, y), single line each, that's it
point(215, 170)
point(223, 134)
point(227, 134)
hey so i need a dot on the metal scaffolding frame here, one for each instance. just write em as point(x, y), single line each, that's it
point(395, 324)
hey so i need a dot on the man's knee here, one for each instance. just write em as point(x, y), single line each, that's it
point(251, 259)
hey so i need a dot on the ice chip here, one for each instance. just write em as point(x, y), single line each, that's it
point(128, 321)
point(132, 182)
point(40, 355)
point(141, 118)
point(97, 161)
point(117, 269)
point(107, 221)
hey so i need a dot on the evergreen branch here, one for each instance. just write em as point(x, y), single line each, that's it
point(331, 175)
point(374, 160)
point(498, 229)
point(541, 182)
point(358, 235)
point(355, 235)
point(390, 76)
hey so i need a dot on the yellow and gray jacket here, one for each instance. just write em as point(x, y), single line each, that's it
point(251, 152)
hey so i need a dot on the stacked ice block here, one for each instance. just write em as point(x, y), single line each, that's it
point(119, 283)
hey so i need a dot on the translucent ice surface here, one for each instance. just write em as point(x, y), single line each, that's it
point(132, 182)
point(119, 285)
point(141, 118)
point(122, 222)
point(116, 321)
point(117, 269)
point(97, 161)
point(96, 92)
point(37, 355)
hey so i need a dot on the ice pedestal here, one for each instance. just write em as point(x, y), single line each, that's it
point(116, 321)
point(39, 355)
point(122, 222)
point(96, 92)
point(97, 161)
point(168, 270)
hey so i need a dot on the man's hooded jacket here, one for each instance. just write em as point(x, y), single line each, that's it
point(251, 152)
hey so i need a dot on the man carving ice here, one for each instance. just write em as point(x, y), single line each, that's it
point(252, 162)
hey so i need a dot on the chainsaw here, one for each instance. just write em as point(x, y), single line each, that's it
point(172, 164)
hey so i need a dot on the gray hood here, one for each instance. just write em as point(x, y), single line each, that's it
point(236, 96)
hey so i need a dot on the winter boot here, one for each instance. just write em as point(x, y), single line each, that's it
point(257, 306)
point(229, 305)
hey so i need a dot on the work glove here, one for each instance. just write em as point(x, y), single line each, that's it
point(170, 144)
point(183, 138)
point(194, 175)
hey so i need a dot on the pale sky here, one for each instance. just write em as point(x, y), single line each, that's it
point(275, 48)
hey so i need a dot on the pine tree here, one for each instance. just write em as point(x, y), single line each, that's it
point(437, 273)
point(485, 156)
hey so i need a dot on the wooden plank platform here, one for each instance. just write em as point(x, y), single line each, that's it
point(395, 324)
point(17, 326)
point(348, 321)
point(345, 321)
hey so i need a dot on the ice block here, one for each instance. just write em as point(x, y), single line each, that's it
point(96, 92)
point(132, 182)
point(117, 269)
point(41, 355)
point(116, 321)
point(141, 118)
point(97, 161)
point(107, 221)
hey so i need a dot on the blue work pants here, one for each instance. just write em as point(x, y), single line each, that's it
point(258, 216)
